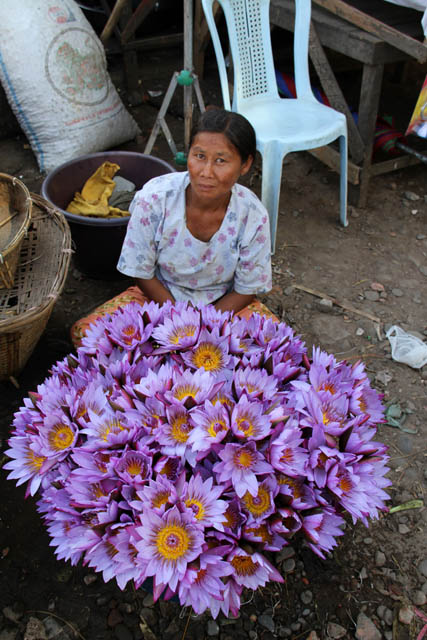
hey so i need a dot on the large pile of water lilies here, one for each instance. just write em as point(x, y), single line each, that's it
point(189, 445)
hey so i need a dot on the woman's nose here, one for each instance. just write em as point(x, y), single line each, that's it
point(207, 168)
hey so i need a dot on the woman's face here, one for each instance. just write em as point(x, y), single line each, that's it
point(214, 165)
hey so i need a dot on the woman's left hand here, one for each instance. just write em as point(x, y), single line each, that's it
point(233, 301)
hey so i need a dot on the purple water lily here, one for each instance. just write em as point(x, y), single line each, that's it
point(184, 443)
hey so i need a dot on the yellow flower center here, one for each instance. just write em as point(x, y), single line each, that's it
point(112, 426)
point(172, 542)
point(186, 331)
point(244, 566)
point(246, 426)
point(328, 386)
point(60, 436)
point(180, 429)
point(200, 575)
point(197, 507)
point(98, 491)
point(130, 333)
point(345, 483)
point(243, 458)
point(160, 499)
point(134, 467)
point(261, 532)
point(207, 355)
point(33, 461)
point(215, 427)
point(259, 504)
point(287, 456)
point(293, 485)
point(185, 391)
point(362, 405)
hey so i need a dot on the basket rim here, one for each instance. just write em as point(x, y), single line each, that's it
point(13, 323)
point(18, 237)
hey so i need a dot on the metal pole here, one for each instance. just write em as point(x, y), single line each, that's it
point(188, 66)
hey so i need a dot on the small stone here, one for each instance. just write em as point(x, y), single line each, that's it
point(365, 629)
point(306, 597)
point(336, 631)
point(12, 615)
point(410, 195)
point(212, 628)
point(406, 615)
point(90, 579)
point(403, 529)
point(35, 630)
point(267, 622)
point(55, 630)
point(380, 558)
point(422, 567)
point(288, 291)
point(373, 296)
point(285, 553)
point(114, 618)
point(360, 331)
point(148, 600)
point(288, 565)
point(421, 236)
point(312, 636)
point(325, 302)
point(419, 598)
point(398, 293)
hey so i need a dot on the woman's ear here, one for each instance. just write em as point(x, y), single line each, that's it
point(246, 165)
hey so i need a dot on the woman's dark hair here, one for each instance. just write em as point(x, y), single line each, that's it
point(235, 127)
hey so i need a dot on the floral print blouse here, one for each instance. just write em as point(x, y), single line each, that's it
point(158, 243)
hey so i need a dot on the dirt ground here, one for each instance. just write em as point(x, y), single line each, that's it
point(375, 584)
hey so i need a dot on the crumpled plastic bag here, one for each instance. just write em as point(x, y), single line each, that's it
point(94, 197)
point(407, 348)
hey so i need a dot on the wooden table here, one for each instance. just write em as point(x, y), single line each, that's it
point(358, 29)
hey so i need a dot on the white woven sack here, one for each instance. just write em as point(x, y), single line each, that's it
point(54, 72)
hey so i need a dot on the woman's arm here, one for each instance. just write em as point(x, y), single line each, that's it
point(155, 290)
point(233, 301)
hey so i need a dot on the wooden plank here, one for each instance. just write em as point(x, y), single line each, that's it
point(340, 303)
point(112, 21)
point(392, 165)
point(138, 16)
point(334, 94)
point(369, 99)
point(368, 23)
point(338, 35)
point(331, 158)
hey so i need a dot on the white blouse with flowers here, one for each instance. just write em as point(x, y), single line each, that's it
point(158, 243)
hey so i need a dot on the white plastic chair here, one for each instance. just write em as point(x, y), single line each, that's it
point(282, 125)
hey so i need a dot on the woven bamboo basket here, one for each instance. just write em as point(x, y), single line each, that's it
point(43, 265)
point(15, 215)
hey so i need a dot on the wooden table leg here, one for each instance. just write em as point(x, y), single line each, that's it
point(370, 93)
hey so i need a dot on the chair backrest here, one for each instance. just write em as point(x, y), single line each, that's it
point(248, 26)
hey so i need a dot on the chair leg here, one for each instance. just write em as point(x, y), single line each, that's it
point(272, 161)
point(343, 180)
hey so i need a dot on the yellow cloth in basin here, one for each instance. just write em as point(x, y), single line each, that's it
point(93, 199)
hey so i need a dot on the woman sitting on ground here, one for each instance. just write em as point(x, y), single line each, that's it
point(197, 235)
